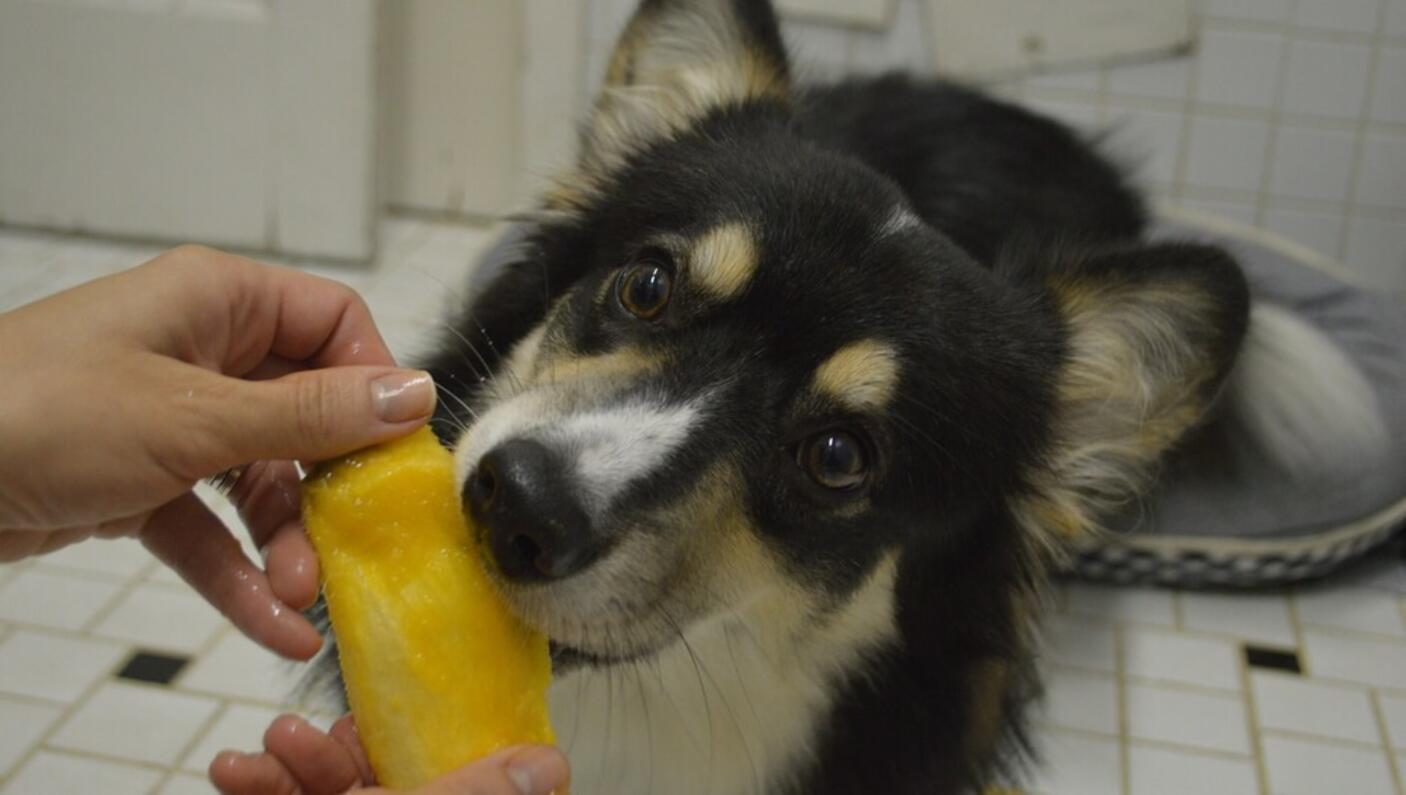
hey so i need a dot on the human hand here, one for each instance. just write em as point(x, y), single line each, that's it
point(299, 759)
point(122, 393)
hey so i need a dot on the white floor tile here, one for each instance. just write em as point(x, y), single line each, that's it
point(185, 784)
point(1136, 605)
point(1197, 720)
point(1350, 608)
point(1261, 618)
point(1301, 705)
point(1080, 642)
point(141, 723)
point(162, 617)
point(1299, 767)
point(1187, 659)
point(1076, 700)
point(1077, 765)
point(53, 667)
point(1380, 663)
point(49, 773)
point(240, 728)
point(1163, 771)
point(238, 667)
point(53, 599)
point(1394, 711)
point(122, 557)
point(22, 723)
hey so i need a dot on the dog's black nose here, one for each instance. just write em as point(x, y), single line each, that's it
point(536, 529)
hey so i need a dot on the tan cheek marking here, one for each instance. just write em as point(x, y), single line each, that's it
point(723, 261)
point(861, 375)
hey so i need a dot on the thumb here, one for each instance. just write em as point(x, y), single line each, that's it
point(318, 414)
point(520, 770)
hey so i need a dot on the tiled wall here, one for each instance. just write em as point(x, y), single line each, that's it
point(1290, 115)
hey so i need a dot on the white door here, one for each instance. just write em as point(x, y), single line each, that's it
point(244, 123)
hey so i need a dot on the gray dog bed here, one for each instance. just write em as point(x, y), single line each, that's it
point(1222, 515)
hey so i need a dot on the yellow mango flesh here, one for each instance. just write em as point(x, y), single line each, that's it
point(437, 671)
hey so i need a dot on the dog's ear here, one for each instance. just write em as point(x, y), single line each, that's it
point(677, 61)
point(1151, 334)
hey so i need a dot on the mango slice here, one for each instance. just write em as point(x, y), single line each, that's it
point(437, 671)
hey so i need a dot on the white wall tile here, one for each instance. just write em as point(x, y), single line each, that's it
point(1163, 771)
point(1394, 711)
point(1354, 16)
point(52, 599)
point(1262, 618)
point(53, 667)
point(1320, 231)
point(1136, 605)
point(1382, 179)
point(1378, 663)
point(1072, 764)
point(818, 50)
point(1150, 139)
point(142, 723)
point(1389, 90)
point(64, 774)
point(1066, 79)
point(1395, 18)
point(161, 617)
point(1238, 68)
point(1188, 718)
point(1076, 700)
point(1300, 767)
point(1242, 212)
point(121, 557)
point(1080, 642)
point(240, 728)
point(1162, 79)
point(1253, 10)
point(1351, 608)
point(903, 46)
point(22, 723)
point(1312, 164)
point(1226, 153)
point(1292, 703)
point(1326, 78)
point(1376, 249)
point(1082, 116)
point(1187, 659)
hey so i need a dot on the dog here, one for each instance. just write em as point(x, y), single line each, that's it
point(792, 398)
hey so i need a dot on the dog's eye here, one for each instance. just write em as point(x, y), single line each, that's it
point(835, 459)
point(644, 289)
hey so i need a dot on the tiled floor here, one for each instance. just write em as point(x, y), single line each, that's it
point(1150, 692)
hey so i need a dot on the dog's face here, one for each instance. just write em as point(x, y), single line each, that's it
point(740, 374)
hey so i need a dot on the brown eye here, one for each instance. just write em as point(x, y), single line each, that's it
point(835, 460)
point(644, 289)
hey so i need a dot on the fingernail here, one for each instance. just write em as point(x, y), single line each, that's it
point(403, 396)
point(538, 771)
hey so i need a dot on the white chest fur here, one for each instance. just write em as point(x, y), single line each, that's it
point(736, 709)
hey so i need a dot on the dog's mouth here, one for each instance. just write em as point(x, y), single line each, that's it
point(569, 658)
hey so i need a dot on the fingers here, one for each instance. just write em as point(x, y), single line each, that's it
point(268, 498)
point(234, 773)
point(344, 732)
point(307, 416)
point(521, 770)
point(319, 763)
point(186, 536)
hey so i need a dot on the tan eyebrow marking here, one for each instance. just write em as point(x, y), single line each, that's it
point(723, 260)
point(862, 375)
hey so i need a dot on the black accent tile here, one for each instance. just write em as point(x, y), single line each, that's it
point(1274, 659)
point(148, 666)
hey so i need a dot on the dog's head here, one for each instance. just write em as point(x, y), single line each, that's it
point(737, 369)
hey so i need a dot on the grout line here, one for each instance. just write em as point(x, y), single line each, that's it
point(1188, 114)
point(1183, 687)
point(1353, 633)
point(111, 605)
point(1252, 722)
point(1359, 145)
point(1124, 752)
point(1276, 113)
point(1305, 668)
point(196, 738)
point(1324, 739)
point(75, 571)
point(1178, 613)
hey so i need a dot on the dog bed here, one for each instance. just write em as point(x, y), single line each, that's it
point(1224, 517)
